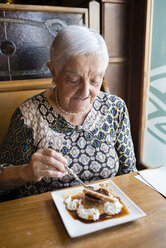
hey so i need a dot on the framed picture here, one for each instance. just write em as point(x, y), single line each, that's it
point(27, 32)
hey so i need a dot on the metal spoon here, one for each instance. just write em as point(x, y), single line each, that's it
point(77, 178)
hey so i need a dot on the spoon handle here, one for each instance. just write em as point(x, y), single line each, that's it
point(75, 176)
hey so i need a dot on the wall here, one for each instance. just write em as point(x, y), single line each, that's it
point(115, 32)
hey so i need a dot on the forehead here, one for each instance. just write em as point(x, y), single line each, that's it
point(85, 64)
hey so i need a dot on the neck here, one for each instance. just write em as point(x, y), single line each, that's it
point(64, 111)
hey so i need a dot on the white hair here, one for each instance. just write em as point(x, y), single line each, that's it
point(76, 40)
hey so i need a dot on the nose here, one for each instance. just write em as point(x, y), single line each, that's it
point(85, 88)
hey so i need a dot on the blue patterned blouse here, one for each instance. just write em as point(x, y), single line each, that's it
point(101, 148)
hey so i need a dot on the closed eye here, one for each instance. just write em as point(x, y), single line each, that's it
point(97, 80)
point(94, 82)
point(74, 81)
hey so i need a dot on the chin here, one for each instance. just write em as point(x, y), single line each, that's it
point(81, 107)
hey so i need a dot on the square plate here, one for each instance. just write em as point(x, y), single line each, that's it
point(76, 228)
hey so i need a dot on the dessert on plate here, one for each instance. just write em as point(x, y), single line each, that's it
point(95, 204)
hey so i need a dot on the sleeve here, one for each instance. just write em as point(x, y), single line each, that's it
point(18, 144)
point(124, 144)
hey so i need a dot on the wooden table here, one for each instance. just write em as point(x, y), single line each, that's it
point(34, 222)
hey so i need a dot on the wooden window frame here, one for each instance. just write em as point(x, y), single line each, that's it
point(139, 33)
point(147, 59)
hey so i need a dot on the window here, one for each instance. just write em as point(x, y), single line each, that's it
point(154, 100)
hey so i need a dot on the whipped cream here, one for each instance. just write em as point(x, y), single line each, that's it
point(112, 208)
point(88, 214)
point(71, 204)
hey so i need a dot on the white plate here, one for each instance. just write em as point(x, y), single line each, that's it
point(76, 228)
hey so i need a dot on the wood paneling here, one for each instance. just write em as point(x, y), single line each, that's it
point(116, 76)
point(138, 11)
point(114, 30)
point(94, 15)
point(13, 93)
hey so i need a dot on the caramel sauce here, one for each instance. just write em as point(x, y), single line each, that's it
point(102, 217)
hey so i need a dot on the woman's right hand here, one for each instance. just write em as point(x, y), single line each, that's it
point(45, 163)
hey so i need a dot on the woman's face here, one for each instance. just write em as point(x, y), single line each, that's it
point(79, 82)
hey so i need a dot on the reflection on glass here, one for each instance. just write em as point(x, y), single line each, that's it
point(154, 146)
point(25, 41)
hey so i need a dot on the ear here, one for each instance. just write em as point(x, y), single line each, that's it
point(50, 67)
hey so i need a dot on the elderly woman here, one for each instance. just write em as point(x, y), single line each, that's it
point(73, 124)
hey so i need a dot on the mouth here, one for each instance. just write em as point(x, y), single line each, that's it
point(81, 99)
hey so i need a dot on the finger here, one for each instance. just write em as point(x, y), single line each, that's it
point(52, 173)
point(46, 160)
point(53, 164)
point(52, 153)
point(59, 159)
point(48, 167)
